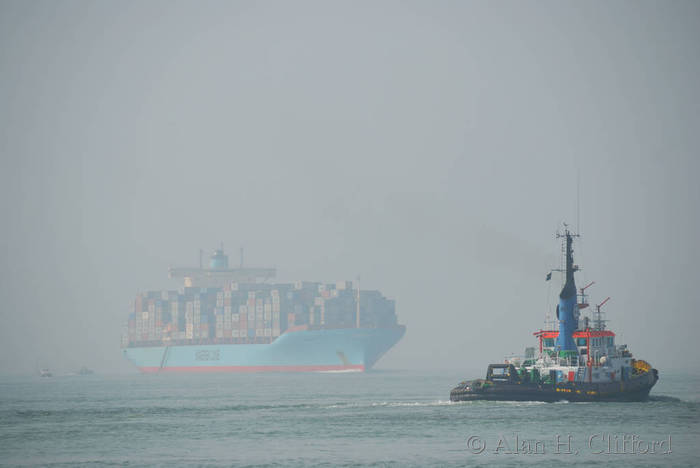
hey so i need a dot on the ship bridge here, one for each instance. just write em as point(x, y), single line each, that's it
point(218, 274)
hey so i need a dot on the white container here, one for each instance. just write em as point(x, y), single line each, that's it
point(268, 332)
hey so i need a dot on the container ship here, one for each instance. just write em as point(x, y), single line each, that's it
point(578, 362)
point(237, 320)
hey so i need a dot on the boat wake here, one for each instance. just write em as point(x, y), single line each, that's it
point(391, 404)
point(664, 398)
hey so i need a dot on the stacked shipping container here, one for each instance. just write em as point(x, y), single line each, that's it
point(250, 313)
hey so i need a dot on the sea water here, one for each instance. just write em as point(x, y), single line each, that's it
point(379, 418)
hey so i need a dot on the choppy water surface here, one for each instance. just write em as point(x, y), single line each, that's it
point(384, 418)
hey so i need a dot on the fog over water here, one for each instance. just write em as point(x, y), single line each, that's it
point(433, 148)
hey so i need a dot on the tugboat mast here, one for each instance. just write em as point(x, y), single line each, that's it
point(567, 310)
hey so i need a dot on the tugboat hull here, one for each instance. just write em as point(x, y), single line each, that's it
point(635, 389)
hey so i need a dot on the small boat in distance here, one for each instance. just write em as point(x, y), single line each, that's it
point(579, 362)
point(45, 372)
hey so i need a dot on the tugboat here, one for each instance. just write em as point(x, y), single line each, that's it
point(579, 362)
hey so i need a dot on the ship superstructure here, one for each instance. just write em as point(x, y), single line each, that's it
point(580, 361)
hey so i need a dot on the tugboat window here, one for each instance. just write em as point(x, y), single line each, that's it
point(581, 341)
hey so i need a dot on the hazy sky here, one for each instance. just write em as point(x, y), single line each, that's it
point(430, 147)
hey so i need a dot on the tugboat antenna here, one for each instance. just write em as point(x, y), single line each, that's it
point(578, 201)
point(567, 232)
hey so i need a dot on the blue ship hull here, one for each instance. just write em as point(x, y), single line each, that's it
point(344, 349)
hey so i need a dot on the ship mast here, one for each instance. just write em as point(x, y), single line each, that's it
point(568, 307)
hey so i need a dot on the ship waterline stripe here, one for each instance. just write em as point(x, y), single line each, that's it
point(311, 368)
